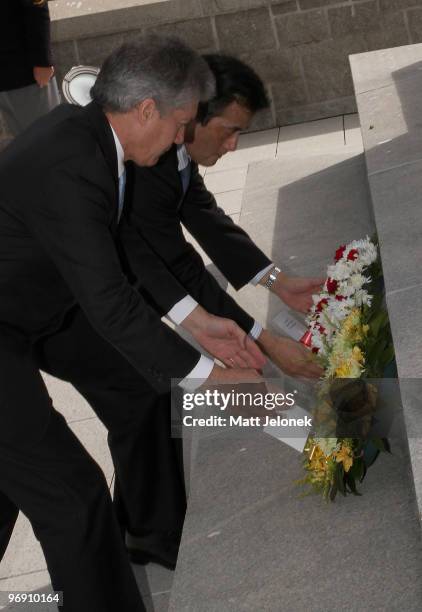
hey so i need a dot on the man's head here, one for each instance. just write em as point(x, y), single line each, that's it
point(150, 91)
point(240, 93)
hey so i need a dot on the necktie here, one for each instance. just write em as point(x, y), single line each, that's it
point(185, 176)
point(122, 184)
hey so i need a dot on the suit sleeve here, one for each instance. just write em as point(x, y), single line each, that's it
point(228, 245)
point(37, 32)
point(152, 225)
point(72, 222)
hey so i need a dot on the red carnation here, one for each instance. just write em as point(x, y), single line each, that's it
point(353, 254)
point(321, 304)
point(340, 298)
point(332, 285)
point(315, 349)
point(340, 252)
point(321, 328)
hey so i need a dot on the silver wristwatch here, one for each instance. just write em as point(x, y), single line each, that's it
point(272, 277)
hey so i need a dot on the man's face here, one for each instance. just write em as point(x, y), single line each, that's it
point(219, 136)
point(154, 133)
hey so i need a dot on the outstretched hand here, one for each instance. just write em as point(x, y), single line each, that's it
point(293, 358)
point(224, 340)
point(296, 292)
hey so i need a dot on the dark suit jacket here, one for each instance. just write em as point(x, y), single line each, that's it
point(24, 41)
point(58, 219)
point(156, 207)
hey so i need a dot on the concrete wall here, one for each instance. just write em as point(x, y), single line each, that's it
point(299, 47)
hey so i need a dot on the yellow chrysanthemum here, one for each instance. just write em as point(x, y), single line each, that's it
point(344, 456)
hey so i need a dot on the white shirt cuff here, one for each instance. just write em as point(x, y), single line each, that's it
point(198, 375)
point(260, 275)
point(256, 330)
point(182, 309)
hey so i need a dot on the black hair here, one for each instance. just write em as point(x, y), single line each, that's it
point(235, 82)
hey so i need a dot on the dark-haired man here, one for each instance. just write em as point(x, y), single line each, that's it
point(161, 199)
point(173, 194)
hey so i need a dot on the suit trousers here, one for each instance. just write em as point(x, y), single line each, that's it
point(48, 475)
point(149, 492)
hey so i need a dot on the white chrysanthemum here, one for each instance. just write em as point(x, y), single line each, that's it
point(340, 271)
point(328, 445)
point(362, 298)
point(339, 310)
point(357, 281)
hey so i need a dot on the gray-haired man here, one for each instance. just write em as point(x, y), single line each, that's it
point(61, 189)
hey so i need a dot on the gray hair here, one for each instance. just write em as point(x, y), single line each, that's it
point(158, 67)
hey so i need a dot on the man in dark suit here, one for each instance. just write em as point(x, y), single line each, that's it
point(61, 196)
point(158, 200)
point(173, 194)
point(28, 88)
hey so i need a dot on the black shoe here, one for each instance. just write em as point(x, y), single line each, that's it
point(155, 547)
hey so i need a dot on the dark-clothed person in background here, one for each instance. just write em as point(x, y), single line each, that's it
point(28, 88)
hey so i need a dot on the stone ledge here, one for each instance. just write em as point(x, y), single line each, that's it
point(388, 85)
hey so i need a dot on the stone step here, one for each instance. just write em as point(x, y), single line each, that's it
point(388, 84)
point(250, 541)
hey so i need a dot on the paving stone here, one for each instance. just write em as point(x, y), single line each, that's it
point(33, 582)
point(345, 20)
point(392, 33)
point(309, 4)
point(64, 58)
point(157, 603)
point(245, 30)
point(93, 51)
point(215, 7)
point(251, 147)
point(248, 532)
point(311, 112)
point(153, 579)
point(392, 5)
point(87, 24)
point(197, 33)
point(352, 132)
point(319, 136)
point(326, 67)
point(276, 65)
point(23, 555)
point(289, 93)
point(302, 28)
point(67, 400)
point(415, 25)
point(226, 180)
point(288, 6)
point(231, 201)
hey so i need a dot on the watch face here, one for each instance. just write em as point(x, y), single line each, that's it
point(77, 84)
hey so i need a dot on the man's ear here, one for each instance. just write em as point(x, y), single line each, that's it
point(146, 110)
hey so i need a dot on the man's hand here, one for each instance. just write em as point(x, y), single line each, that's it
point(224, 340)
point(43, 74)
point(290, 356)
point(295, 291)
